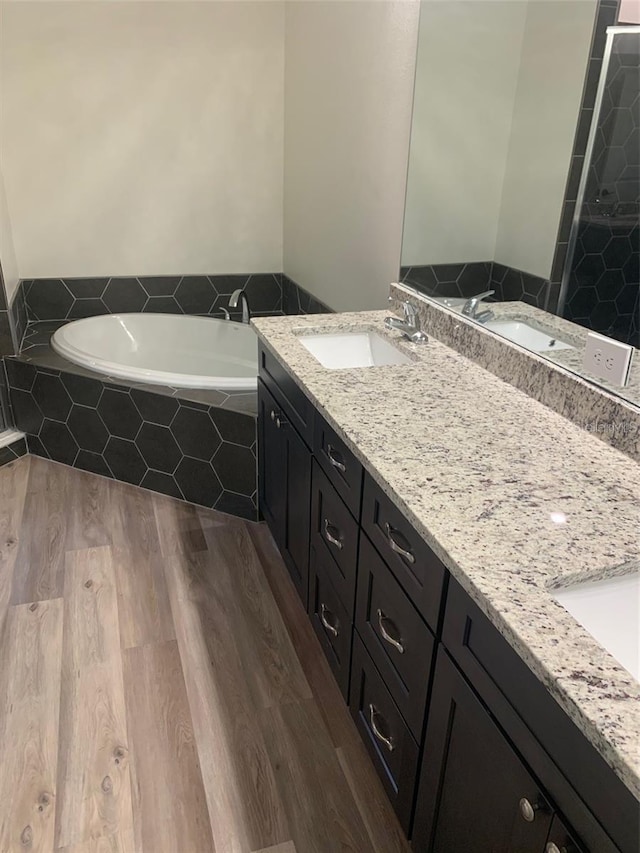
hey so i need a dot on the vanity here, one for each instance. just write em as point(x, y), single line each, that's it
point(426, 518)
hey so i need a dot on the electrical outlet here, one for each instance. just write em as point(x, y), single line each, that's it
point(607, 359)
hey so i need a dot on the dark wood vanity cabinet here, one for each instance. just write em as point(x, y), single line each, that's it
point(474, 752)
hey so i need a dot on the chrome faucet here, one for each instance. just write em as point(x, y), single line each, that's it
point(470, 307)
point(409, 326)
point(236, 297)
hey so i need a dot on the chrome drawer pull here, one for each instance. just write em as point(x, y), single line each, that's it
point(273, 415)
point(329, 536)
point(333, 458)
point(332, 629)
point(387, 741)
point(386, 635)
point(395, 547)
point(281, 421)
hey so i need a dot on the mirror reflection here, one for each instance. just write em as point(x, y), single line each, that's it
point(524, 173)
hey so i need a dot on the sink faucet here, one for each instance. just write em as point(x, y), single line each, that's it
point(409, 326)
point(470, 307)
point(236, 297)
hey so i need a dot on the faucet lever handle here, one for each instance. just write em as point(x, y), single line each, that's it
point(410, 313)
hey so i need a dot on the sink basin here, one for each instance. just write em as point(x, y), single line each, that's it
point(610, 611)
point(526, 336)
point(352, 349)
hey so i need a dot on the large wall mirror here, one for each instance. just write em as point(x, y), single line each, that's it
point(524, 172)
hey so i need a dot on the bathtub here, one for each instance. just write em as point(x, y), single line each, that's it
point(164, 349)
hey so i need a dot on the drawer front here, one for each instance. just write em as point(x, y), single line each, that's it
point(295, 405)
point(334, 531)
point(414, 564)
point(338, 463)
point(330, 620)
point(395, 636)
point(385, 734)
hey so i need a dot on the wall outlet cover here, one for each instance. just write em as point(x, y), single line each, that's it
point(607, 359)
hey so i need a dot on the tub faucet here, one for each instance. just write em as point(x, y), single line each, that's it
point(470, 307)
point(409, 326)
point(236, 296)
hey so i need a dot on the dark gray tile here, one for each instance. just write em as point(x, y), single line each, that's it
point(195, 294)
point(124, 295)
point(82, 308)
point(198, 482)
point(158, 448)
point(236, 468)
point(154, 407)
point(160, 285)
point(125, 461)
point(239, 505)
point(92, 462)
point(162, 305)
point(119, 414)
point(87, 428)
point(234, 426)
point(51, 396)
point(27, 417)
point(86, 288)
point(58, 442)
point(163, 483)
point(82, 389)
point(195, 433)
point(48, 299)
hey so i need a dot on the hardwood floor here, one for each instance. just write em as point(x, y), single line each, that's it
point(161, 689)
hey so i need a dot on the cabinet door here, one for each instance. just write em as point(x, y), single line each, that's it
point(285, 487)
point(474, 792)
point(271, 482)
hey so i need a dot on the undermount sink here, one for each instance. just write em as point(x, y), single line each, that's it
point(526, 336)
point(352, 349)
point(610, 611)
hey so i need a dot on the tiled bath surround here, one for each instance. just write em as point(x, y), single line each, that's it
point(154, 438)
point(192, 444)
point(13, 451)
point(56, 299)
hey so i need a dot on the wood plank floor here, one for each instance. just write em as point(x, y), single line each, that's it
point(161, 689)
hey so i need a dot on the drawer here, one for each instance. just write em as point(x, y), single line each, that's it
point(338, 463)
point(330, 620)
point(335, 532)
point(385, 734)
point(419, 571)
point(396, 637)
point(295, 405)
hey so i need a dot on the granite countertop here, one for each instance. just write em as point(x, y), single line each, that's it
point(514, 499)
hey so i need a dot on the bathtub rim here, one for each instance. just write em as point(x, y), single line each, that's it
point(147, 376)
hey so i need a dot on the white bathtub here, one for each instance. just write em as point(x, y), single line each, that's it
point(164, 349)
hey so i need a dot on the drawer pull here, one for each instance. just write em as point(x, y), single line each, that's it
point(273, 415)
point(395, 547)
point(553, 848)
point(335, 540)
point(281, 421)
point(386, 635)
point(332, 629)
point(387, 741)
point(528, 811)
point(334, 459)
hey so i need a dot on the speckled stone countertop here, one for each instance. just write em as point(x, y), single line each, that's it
point(515, 499)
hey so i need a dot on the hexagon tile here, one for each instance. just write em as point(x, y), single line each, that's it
point(166, 444)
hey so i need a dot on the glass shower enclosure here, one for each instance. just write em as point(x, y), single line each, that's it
point(601, 285)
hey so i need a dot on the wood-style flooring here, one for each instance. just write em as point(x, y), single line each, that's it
point(161, 689)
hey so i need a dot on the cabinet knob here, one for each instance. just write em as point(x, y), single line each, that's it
point(528, 811)
point(273, 415)
point(553, 848)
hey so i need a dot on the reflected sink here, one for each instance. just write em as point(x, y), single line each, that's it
point(610, 611)
point(526, 336)
point(352, 349)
